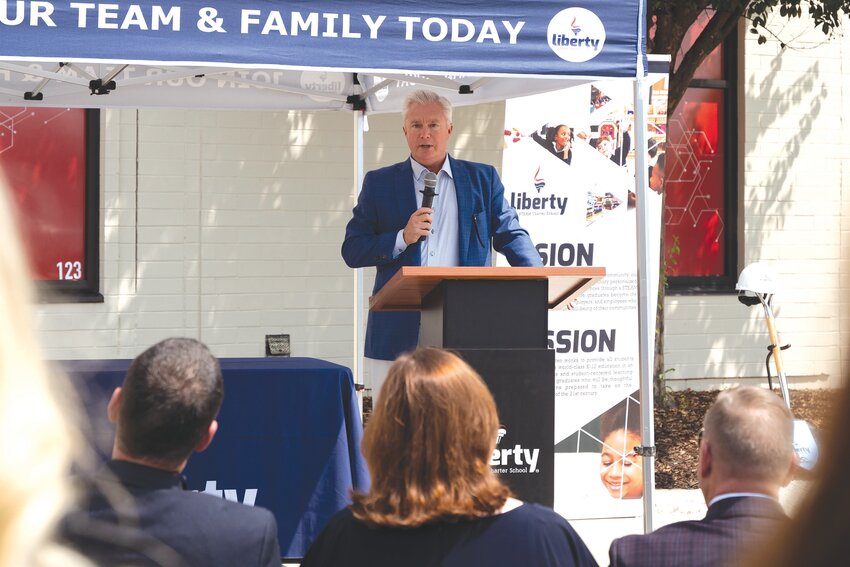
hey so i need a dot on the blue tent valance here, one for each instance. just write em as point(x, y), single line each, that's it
point(504, 37)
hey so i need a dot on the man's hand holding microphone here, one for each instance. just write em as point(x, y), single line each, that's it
point(419, 224)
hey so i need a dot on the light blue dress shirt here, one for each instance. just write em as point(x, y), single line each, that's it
point(441, 247)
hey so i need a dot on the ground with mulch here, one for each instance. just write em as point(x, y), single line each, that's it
point(677, 426)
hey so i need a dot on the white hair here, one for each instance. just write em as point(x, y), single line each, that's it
point(423, 96)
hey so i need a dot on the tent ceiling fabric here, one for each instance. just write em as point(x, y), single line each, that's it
point(138, 86)
point(304, 54)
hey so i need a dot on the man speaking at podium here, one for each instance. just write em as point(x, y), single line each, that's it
point(391, 227)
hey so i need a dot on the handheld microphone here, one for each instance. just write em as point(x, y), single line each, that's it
point(428, 193)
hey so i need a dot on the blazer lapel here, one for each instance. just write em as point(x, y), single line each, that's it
point(406, 205)
point(463, 191)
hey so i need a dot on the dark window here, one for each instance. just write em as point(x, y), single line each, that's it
point(700, 214)
point(50, 158)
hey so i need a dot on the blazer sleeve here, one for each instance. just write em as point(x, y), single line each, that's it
point(270, 545)
point(369, 240)
point(616, 553)
point(509, 238)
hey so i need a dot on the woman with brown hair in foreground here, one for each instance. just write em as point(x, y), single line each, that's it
point(434, 499)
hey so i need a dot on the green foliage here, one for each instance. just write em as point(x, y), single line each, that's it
point(673, 254)
point(825, 14)
point(668, 22)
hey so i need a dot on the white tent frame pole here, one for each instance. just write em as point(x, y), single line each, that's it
point(359, 338)
point(52, 75)
point(646, 327)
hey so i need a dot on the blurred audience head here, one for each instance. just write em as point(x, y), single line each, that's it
point(167, 405)
point(746, 444)
point(38, 436)
point(428, 444)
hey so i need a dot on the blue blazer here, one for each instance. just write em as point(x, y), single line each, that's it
point(385, 204)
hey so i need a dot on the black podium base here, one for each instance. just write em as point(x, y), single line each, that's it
point(485, 314)
point(522, 382)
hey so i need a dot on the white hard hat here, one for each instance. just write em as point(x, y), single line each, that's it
point(757, 278)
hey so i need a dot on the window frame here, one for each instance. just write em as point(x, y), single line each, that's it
point(86, 290)
point(725, 283)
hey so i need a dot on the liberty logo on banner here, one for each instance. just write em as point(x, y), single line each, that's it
point(514, 460)
point(576, 35)
point(248, 498)
point(539, 182)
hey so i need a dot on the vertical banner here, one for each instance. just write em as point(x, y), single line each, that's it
point(569, 170)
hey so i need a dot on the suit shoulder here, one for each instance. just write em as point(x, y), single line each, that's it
point(662, 540)
point(392, 169)
point(664, 533)
point(240, 515)
point(382, 181)
point(675, 529)
point(473, 166)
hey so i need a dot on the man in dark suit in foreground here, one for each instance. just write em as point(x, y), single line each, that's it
point(745, 457)
point(140, 513)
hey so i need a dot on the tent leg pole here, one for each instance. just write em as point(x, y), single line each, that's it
point(359, 119)
point(646, 318)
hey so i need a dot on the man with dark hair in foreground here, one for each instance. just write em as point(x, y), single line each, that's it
point(745, 456)
point(140, 513)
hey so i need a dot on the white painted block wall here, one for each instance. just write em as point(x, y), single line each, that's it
point(794, 214)
point(226, 226)
point(219, 225)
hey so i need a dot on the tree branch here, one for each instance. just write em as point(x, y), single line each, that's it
point(722, 23)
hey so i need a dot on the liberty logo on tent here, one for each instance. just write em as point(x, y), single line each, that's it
point(323, 83)
point(575, 27)
point(576, 35)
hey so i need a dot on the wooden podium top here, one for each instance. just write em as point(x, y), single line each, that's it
point(404, 292)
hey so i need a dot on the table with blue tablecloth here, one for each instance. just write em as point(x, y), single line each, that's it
point(288, 438)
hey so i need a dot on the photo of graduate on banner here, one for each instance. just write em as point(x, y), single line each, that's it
point(603, 473)
point(613, 436)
